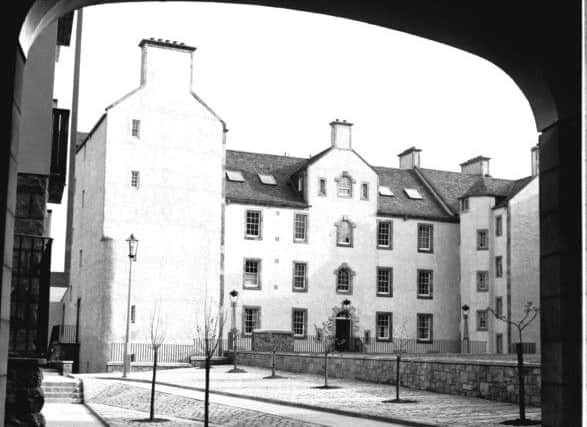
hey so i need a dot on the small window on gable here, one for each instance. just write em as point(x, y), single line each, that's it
point(498, 225)
point(322, 187)
point(345, 186)
point(235, 176)
point(344, 233)
point(267, 179)
point(136, 128)
point(365, 191)
point(385, 191)
point(412, 193)
point(464, 204)
point(134, 179)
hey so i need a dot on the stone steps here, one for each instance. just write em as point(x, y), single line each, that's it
point(59, 389)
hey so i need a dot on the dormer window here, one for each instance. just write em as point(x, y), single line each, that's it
point(344, 185)
point(412, 193)
point(344, 233)
point(267, 179)
point(301, 184)
point(385, 191)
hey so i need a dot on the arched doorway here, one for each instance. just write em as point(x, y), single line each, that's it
point(538, 45)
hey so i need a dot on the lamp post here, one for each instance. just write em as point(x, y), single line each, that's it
point(466, 327)
point(133, 245)
point(347, 341)
point(233, 300)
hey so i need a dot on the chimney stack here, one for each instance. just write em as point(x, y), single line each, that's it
point(166, 65)
point(409, 158)
point(535, 155)
point(341, 134)
point(476, 166)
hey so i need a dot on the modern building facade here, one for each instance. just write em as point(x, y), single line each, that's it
point(382, 252)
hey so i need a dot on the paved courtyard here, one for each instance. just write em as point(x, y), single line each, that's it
point(179, 395)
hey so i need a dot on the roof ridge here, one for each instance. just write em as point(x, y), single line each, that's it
point(267, 154)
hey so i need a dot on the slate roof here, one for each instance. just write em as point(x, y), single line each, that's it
point(447, 186)
point(252, 191)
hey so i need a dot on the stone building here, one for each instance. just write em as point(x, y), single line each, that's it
point(137, 171)
point(383, 252)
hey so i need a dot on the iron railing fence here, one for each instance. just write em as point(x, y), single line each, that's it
point(316, 344)
point(179, 353)
point(527, 348)
point(64, 334)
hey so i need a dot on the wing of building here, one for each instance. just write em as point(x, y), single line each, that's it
point(384, 253)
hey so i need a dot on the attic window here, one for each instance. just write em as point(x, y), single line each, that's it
point(412, 193)
point(267, 179)
point(235, 176)
point(385, 191)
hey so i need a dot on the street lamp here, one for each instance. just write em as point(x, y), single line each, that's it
point(466, 327)
point(133, 245)
point(233, 300)
point(346, 304)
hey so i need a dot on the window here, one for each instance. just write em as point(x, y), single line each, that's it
point(83, 198)
point(385, 234)
point(412, 193)
point(424, 284)
point(365, 191)
point(498, 266)
point(267, 179)
point(322, 187)
point(482, 320)
point(344, 279)
point(384, 281)
point(424, 327)
point(344, 233)
point(300, 276)
point(425, 237)
point(134, 179)
point(81, 258)
point(299, 321)
point(383, 326)
point(132, 314)
point(300, 228)
point(385, 191)
point(482, 281)
point(482, 241)
point(253, 225)
point(498, 306)
point(344, 186)
point(498, 225)
point(136, 128)
point(498, 343)
point(251, 319)
point(252, 274)
point(464, 204)
point(235, 176)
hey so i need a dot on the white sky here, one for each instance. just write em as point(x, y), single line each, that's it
point(278, 77)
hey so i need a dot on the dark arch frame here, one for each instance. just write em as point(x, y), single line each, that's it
point(537, 43)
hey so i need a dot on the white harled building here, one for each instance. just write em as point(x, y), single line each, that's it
point(383, 252)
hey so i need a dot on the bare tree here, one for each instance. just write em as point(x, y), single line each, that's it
point(327, 335)
point(275, 346)
point(400, 347)
point(157, 337)
point(530, 313)
point(209, 331)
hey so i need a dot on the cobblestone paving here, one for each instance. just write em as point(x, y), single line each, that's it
point(106, 398)
point(355, 396)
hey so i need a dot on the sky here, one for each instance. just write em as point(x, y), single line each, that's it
point(279, 77)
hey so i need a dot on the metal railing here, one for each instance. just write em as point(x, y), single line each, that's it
point(178, 353)
point(527, 348)
point(64, 334)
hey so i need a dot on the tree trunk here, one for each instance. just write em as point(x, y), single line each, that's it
point(234, 342)
point(326, 368)
point(397, 377)
point(207, 391)
point(521, 385)
point(152, 414)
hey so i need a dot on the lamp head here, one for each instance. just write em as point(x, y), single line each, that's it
point(233, 296)
point(133, 245)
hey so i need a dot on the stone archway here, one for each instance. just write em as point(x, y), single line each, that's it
point(537, 44)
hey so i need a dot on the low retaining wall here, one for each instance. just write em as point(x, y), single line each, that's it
point(487, 379)
point(145, 366)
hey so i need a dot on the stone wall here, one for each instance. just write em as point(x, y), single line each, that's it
point(487, 379)
point(266, 340)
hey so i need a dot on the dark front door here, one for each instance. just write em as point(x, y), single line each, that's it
point(343, 334)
